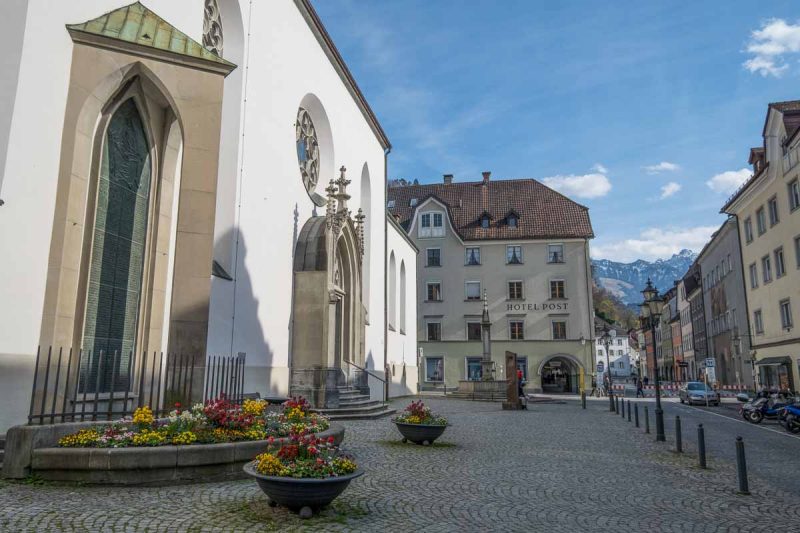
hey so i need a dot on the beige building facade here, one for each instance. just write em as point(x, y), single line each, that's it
point(490, 239)
point(767, 209)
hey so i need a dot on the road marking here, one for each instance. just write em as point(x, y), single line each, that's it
point(784, 433)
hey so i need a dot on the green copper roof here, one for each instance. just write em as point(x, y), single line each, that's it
point(138, 25)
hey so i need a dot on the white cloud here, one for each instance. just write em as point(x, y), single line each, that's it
point(599, 168)
point(655, 243)
point(727, 182)
point(669, 189)
point(594, 185)
point(664, 166)
point(768, 46)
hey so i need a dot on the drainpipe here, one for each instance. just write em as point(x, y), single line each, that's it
point(386, 376)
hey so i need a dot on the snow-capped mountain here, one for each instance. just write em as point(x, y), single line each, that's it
point(626, 280)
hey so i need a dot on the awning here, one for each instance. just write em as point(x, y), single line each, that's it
point(774, 361)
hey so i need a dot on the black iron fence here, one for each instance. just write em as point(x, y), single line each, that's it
point(71, 385)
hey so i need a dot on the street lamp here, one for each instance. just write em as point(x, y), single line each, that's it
point(651, 309)
point(607, 338)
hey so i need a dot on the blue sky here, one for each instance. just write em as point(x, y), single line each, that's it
point(643, 111)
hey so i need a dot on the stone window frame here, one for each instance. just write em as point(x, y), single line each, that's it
point(793, 188)
point(766, 269)
point(434, 357)
point(553, 323)
point(467, 255)
point(758, 322)
point(797, 250)
point(559, 258)
point(428, 324)
point(563, 289)
point(748, 230)
point(428, 290)
point(761, 220)
point(466, 290)
point(428, 257)
point(516, 329)
point(785, 309)
point(772, 207)
point(753, 273)
point(480, 331)
point(520, 257)
point(473, 358)
point(780, 262)
point(521, 290)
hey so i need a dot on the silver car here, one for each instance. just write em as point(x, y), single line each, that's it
point(695, 392)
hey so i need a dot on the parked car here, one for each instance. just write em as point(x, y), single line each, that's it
point(695, 392)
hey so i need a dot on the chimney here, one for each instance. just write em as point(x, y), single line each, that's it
point(448, 179)
point(486, 177)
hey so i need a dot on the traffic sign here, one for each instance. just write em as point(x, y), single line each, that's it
point(709, 362)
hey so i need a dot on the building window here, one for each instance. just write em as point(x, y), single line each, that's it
point(516, 330)
point(748, 230)
point(559, 330)
point(515, 290)
point(434, 291)
point(473, 331)
point(512, 221)
point(753, 276)
point(557, 290)
point(786, 314)
point(473, 368)
point(761, 220)
point(473, 290)
point(758, 322)
point(797, 251)
point(115, 283)
point(772, 204)
point(794, 195)
point(514, 254)
point(484, 222)
point(555, 253)
point(433, 257)
point(780, 265)
point(766, 269)
point(431, 225)
point(413, 202)
point(390, 204)
point(434, 331)
point(522, 364)
point(472, 256)
point(434, 369)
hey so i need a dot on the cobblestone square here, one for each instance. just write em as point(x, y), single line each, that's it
point(554, 468)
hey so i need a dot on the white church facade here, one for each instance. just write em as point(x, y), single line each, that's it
point(195, 177)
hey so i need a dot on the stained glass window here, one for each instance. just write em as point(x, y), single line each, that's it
point(118, 249)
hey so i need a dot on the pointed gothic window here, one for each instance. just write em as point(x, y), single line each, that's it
point(118, 250)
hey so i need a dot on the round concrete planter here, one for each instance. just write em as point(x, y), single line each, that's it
point(420, 433)
point(297, 493)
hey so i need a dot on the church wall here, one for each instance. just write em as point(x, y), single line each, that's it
point(286, 63)
point(401, 356)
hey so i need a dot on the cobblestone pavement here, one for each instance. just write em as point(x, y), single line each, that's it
point(553, 468)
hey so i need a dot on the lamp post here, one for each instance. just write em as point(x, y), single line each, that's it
point(651, 309)
point(607, 338)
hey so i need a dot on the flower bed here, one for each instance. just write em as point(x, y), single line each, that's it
point(218, 421)
point(418, 413)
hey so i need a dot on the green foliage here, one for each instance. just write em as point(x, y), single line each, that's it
point(610, 308)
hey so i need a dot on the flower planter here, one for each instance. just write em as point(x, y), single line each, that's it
point(298, 493)
point(423, 434)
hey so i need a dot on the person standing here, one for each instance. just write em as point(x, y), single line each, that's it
point(520, 388)
point(639, 388)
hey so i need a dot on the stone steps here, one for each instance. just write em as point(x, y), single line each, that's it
point(367, 411)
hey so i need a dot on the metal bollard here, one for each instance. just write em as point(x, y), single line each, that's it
point(629, 410)
point(701, 445)
point(636, 414)
point(646, 420)
point(741, 467)
point(622, 410)
point(583, 399)
point(678, 436)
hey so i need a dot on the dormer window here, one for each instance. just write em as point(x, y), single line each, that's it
point(512, 221)
point(484, 222)
point(413, 202)
point(390, 204)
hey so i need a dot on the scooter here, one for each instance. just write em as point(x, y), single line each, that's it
point(790, 418)
point(761, 408)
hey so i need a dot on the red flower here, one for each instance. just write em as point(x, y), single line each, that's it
point(331, 439)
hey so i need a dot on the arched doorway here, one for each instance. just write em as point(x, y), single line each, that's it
point(560, 374)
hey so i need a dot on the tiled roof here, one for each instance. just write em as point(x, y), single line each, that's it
point(542, 212)
point(138, 25)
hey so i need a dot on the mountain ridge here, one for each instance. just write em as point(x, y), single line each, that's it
point(626, 280)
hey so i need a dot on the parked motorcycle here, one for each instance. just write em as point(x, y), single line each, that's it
point(760, 408)
point(789, 418)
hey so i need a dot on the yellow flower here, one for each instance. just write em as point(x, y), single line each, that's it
point(295, 413)
point(269, 465)
point(413, 419)
point(148, 437)
point(184, 437)
point(255, 434)
point(342, 465)
point(254, 407)
point(84, 437)
point(143, 416)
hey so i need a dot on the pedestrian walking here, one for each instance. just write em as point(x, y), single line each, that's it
point(639, 388)
point(521, 389)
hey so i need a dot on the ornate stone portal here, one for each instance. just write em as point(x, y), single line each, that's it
point(328, 325)
point(212, 28)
